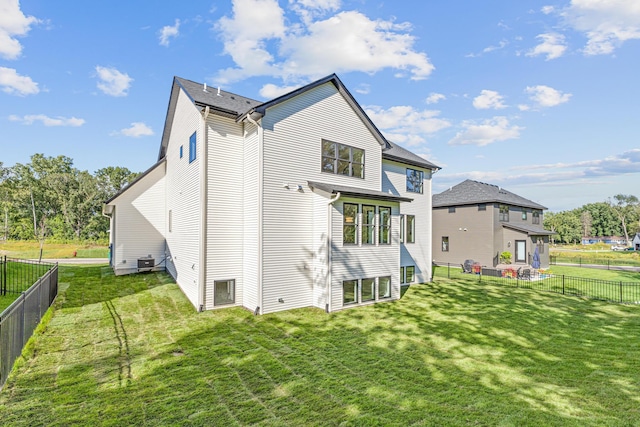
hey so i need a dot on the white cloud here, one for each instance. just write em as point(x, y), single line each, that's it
point(405, 125)
point(136, 130)
point(13, 24)
point(363, 88)
point(547, 9)
point(606, 23)
point(486, 132)
point(261, 43)
point(270, 91)
point(489, 49)
point(169, 32)
point(434, 98)
point(113, 82)
point(552, 45)
point(48, 121)
point(545, 96)
point(489, 99)
point(15, 84)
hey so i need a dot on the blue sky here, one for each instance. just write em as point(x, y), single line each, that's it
point(539, 97)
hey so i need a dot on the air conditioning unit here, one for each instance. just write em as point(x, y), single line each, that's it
point(146, 264)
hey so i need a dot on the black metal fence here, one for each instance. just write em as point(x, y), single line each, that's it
point(610, 264)
point(20, 319)
point(605, 290)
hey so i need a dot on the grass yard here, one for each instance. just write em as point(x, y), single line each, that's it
point(132, 351)
point(31, 250)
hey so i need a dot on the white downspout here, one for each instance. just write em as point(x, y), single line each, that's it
point(259, 309)
point(204, 178)
point(329, 240)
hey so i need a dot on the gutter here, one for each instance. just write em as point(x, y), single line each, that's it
point(202, 272)
point(329, 242)
point(253, 117)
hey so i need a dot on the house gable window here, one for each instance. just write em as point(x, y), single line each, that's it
point(445, 243)
point(192, 147)
point(535, 217)
point(411, 228)
point(224, 292)
point(384, 232)
point(368, 225)
point(342, 159)
point(504, 213)
point(350, 224)
point(414, 181)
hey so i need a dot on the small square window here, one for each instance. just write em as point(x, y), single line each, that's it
point(445, 243)
point(482, 207)
point(224, 292)
point(452, 209)
point(181, 151)
point(414, 181)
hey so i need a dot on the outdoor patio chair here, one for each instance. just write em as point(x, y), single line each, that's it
point(524, 273)
point(467, 266)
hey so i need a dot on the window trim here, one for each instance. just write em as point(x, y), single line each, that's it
point(335, 159)
point(415, 178)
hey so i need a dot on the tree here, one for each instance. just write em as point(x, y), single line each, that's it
point(624, 208)
point(586, 219)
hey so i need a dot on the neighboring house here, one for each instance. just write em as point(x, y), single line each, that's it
point(479, 221)
point(609, 240)
point(636, 242)
point(295, 202)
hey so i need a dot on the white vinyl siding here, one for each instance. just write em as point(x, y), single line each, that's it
point(183, 199)
point(418, 253)
point(139, 223)
point(225, 203)
point(293, 131)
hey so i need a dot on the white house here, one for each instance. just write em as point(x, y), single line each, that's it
point(295, 202)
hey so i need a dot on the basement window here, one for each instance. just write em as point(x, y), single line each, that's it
point(224, 292)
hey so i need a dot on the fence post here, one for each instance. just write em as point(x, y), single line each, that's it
point(448, 270)
point(563, 284)
point(620, 292)
point(4, 275)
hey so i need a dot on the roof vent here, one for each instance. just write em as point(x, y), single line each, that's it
point(205, 88)
point(219, 91)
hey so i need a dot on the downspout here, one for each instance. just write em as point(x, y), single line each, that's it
point(329, 242)
point(259, 308)
point(111, 237)
point(204, 178)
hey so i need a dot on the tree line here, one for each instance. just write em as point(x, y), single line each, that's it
point(619, 216)
point(48, 198)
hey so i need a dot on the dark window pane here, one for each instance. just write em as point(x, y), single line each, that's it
point(344, 152)
point(358, 155)
point(329, 149)
point(349, 291)
point(358, 170)
point(343, 167)
point(328, 164)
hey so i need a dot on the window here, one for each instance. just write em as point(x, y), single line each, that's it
point(384, 287)
point(445, 243)
point(350, 224)
point(224, 292)
point(349, 292)
point(181, 151)
point(192, 147)
point(535, 217)
point(402, 275)
point(414, 181)
point(368, 225)
point(540, 245)
point(411, 228)
point(368, 289)
point(452, 209)
point(385, 225)
point(524, 215)
point(504, 213)
point(410, 273)
point(482, 207)
point(342, 159)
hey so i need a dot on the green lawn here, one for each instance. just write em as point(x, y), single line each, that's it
point(31, 250)
point(132, 351)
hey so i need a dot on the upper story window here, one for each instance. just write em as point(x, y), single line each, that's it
point(504, 213)
point(342, 159)
point(452, 209)
point(350, 224)
point(192, 147)
point(414, 181)
point(181, 151)
point(411, 228)
point(524, 215)
point(535, 217)
point(482, 207)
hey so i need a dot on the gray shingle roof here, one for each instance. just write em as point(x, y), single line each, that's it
point(531, 230)
point(396, 153)
point(222, 101)
point(472, 192)
point(357, 192)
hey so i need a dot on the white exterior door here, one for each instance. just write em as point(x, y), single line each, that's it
point(521, 251)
